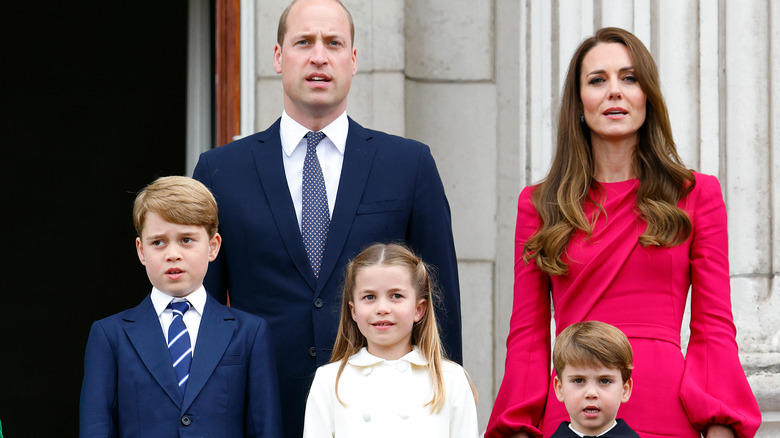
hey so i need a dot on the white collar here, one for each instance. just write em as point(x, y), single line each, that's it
point(160, 300)
point(365, 359)
point(291, 133)
point(614, 423)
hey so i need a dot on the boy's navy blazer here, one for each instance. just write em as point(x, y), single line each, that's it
point(130, 388)
point(389, 191)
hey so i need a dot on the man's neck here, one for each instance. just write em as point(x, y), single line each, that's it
point(313, 122)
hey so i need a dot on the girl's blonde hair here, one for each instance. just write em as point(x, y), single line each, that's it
point(425, 333)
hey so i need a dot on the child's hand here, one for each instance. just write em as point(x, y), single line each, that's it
point(720, 431)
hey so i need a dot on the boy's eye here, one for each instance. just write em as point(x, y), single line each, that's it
point(578, 380)
point(605, 381)
point(157, 243)
point(187, 240)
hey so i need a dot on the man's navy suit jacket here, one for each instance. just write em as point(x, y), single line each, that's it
point(130, 388)
point(389, 191)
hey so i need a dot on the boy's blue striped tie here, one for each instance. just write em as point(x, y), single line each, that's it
point(315, 216)
point(179, 343)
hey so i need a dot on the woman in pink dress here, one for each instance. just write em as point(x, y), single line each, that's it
point(617, 232)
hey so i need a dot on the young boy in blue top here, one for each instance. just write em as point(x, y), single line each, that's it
point(180, 363)
point(593, 362)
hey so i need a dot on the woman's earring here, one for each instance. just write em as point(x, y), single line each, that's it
point(582, 119)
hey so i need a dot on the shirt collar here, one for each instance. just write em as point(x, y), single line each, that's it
point(614, 423)
point(160, 300)
point(365, 359)
point(291, 133)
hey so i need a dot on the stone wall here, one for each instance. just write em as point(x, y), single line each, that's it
point(480, 81)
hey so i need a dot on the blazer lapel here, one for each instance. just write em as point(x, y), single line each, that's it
point(214, 335)
point(144, 331)
point(358, 158)
point(270, 169)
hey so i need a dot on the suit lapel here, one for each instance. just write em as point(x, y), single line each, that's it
point(144, 331)
point(358, 157)
point(270, 168)
point(214, 335)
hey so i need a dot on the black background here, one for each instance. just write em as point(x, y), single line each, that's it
point(94, 109)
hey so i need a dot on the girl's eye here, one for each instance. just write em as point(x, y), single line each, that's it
point(397, 296)
point(368, 297)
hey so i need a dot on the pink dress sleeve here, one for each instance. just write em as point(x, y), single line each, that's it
point(714, 389)
point(521, 399)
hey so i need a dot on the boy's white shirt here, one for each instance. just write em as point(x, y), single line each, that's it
point(386, 398)
point(614, 423)
point(192, 317)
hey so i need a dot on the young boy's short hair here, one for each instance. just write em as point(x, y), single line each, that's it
point(593, 343)
point(179, 200)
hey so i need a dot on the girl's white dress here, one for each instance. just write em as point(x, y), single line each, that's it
point(386, 398)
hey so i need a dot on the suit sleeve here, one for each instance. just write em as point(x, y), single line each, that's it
point(97, 408)
point(430, 235)
point(714, 388)
point(319, 420)
point(523, 394)
point(216, 281)
point(264, 417)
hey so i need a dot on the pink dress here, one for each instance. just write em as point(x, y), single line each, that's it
point(642, 291)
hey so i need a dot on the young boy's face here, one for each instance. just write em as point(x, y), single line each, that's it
point(592, 396)
point(176, 256)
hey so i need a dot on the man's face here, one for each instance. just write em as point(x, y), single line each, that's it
point(316, 61)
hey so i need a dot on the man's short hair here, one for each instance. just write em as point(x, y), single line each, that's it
point(593, 343)
point(282, 29)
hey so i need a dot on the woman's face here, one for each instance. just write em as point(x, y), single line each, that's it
point(612, 100)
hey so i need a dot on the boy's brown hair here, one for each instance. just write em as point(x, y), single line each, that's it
point(593, 343)
point(179, 200)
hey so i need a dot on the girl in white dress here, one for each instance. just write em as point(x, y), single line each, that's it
point(388, 376)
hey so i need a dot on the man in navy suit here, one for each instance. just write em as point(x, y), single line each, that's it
point(180, 363)
point(380, 188)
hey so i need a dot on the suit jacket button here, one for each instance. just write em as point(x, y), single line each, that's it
point(186, 420)
point(313, 351)
point(318, 303)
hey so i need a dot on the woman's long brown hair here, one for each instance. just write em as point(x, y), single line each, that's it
point(663, 179)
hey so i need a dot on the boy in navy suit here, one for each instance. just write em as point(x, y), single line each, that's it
point(180, 363)
point(593, 362)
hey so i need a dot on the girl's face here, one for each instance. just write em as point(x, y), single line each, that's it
point(385, 308)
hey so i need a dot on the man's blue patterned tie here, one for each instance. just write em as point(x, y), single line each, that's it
point(315, 216)
point(179, 343)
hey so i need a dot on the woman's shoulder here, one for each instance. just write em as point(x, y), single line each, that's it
point(528, 191)
point(706, 185)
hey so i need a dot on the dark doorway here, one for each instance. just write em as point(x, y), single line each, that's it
point(97, 110)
